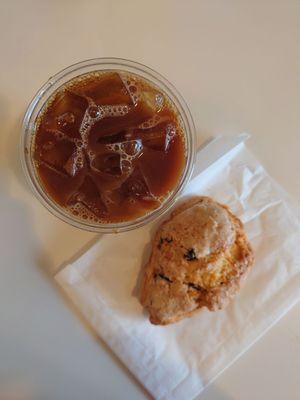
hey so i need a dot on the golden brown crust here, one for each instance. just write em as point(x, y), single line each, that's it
point(199, 257)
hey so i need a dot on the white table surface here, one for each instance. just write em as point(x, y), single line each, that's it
point(237, 64)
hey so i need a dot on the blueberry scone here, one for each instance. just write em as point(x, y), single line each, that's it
point(199, 257)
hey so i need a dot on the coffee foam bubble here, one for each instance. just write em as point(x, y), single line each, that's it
point(118, 110)
point(81, 211)
point(128, 151)
point(95, 113)
point(78, 143)
point(91, 155)
point(151, 122)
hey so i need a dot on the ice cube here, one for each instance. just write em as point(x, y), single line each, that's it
point(48, 145)
point(67, 110)
point(109, 90)
point(105, 181)
point(137, 187)
point(65, 120)
point(108, 163)
point(60, 135)
point(75, 163)
point(111, 198)
point(52, 168)
point(57, 154)
point(152, 99)
point(158, 138)
point(58, 178)
point(131, 87)
point(148, 96)
point(89, 196)
point(68, 102)
point(170, 135)
point(113, 138)
point(154, 167)
point(155, 140)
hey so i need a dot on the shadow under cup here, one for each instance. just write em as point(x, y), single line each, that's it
point(59, 80)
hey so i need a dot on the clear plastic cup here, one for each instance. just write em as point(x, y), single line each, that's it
point(41, 98)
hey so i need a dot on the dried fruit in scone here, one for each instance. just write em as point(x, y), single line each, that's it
point(199, 257)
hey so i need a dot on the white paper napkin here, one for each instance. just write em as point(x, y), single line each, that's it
point(177, 361)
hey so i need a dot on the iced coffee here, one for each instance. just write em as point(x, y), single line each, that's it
point(109, 147)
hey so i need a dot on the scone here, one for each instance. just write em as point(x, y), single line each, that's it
point(199, 257)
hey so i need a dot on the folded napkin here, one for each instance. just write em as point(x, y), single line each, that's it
point(177, 361)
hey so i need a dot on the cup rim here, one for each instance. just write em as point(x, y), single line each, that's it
point(59, 79)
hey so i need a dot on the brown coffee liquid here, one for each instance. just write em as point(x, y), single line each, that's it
point(109, 147)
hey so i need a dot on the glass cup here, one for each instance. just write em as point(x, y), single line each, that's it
point(41, 98)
